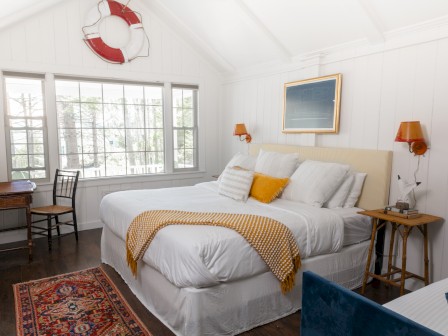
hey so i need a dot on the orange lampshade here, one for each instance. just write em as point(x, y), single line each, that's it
point(240, 129)
point(409, 131)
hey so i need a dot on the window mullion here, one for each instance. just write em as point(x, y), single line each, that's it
point(50, 125)
point(168, 126)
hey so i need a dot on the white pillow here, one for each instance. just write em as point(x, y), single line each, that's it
point(241, 160)
point(275, 164)
point(355, 190)
point(340, 195)
point(236, 183)
point(314, 182)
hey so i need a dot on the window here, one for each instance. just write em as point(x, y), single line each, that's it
point(25, 123)
point(185, 128)
point(110, 129)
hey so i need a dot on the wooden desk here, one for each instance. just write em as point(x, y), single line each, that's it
point(407, 224)
point(18, 195)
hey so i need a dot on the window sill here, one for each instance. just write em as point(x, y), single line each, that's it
point(113, 180)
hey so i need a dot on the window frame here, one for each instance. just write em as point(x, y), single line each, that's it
point(7, 125)
point(122, 83)
point(195, 128)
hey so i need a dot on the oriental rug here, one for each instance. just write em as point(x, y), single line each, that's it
point(79, 303)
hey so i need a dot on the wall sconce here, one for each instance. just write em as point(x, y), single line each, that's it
point(240, 129)
point(411, 132)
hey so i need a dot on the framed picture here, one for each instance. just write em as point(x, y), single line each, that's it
point(312, 105)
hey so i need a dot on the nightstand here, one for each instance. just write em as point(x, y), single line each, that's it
point(404, 226)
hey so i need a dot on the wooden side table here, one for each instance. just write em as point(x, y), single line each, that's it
point(17, 195)
point(407, 226)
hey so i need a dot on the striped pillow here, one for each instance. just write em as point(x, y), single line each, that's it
point(235, 183)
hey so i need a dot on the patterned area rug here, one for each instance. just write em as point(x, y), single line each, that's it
point(80, 303)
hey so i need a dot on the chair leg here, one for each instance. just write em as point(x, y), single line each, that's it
point(49, 232)
point(56, 218)
point(75, 225)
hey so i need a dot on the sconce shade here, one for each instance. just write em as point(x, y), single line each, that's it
point(240, 129)
point(410, 131)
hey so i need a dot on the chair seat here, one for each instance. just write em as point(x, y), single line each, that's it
point(51, 210)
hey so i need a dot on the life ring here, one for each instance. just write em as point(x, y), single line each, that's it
point(93, 38)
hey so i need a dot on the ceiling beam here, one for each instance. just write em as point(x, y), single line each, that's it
point(258, 24)
point(374, 29)
point(181, 29)
point(23, 14)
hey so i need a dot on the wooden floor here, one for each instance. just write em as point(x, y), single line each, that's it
point(67, 256)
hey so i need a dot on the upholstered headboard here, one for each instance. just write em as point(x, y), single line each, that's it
point(376, 163)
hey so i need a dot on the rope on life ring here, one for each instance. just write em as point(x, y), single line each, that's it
point(93, 38)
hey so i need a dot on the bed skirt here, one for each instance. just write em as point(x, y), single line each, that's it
point(229, 308)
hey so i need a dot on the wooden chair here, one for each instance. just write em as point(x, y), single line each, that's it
point(64, 187)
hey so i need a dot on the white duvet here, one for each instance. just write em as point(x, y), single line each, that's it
point(203, 256)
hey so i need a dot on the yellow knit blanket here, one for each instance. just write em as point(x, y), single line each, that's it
point(272, 240)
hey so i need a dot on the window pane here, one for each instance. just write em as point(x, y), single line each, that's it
point(178, 117)
point(94, 165)
point(37, 174)
point(154, 140)
point(69, 115)
point(179, 159)
point(91, 115)
point(19, 161)
point(70, 161)
point(155, 162)
point(92, 140)
point(70, 141)
point(19, 149)
point(35, 123)
point(20, 175)
point(17, 123)
point(67, 91)
point(153, 95)
point(36, 136)
point(113, 116)
point(189, 139)
point(189, 158)
point(133, 94)
point(188, 118)
point(135, 140)
point(177, 97)
point(24, 97)
point(115, 164)
point(135, 116)
point(136, 163)
point(115, 140)
point(187, 99)
point(154, 117)
point(91, 92)
point(37, 161)
point(113, 93)
point(18, 137)
point(35, 149)
point(179, 139)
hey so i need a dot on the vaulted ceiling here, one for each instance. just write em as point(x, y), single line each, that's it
point(239, 34)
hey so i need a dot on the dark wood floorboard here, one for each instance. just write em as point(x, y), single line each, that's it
point(67, 256)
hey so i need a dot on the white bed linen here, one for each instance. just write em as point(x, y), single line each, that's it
point(427, 306)
point(357, 228)
point(233, 307)
point(206, 256)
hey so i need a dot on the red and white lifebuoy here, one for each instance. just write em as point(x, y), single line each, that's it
point(93, 38)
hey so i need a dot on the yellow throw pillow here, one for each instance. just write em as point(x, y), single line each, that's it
point(266, 188)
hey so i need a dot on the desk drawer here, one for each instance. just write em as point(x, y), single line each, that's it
point(15, 201)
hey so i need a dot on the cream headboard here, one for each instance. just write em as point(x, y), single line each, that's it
point(376, 163)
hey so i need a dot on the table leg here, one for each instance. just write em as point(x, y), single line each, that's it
point(369, 257)
point(391, 249)
point(406, 232)
point(29, 236)
point(425, 242)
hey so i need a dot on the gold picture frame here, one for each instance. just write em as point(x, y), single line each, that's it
point(312, 105)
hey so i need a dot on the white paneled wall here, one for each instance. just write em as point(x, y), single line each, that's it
point(378, 92)
point(51, 42)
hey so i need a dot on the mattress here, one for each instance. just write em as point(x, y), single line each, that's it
point(357, 228)
point(427, 306)
point(207, 255)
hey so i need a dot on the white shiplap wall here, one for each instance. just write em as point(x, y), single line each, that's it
point(379, 91)
point(51, 42)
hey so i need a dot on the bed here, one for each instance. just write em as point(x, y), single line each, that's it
point(326, 305)
point(427, 306)
point(220, 286)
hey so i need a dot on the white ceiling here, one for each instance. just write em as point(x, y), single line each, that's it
point(239, 34)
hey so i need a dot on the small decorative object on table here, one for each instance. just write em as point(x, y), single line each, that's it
point(407, 196)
